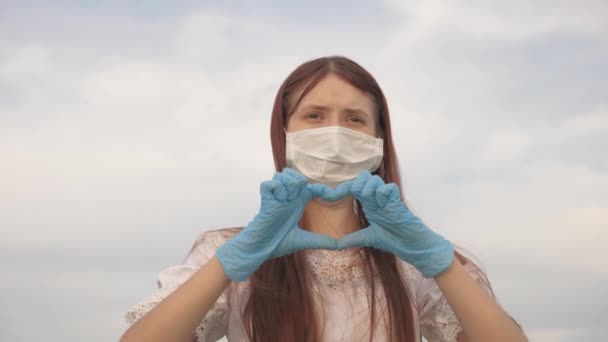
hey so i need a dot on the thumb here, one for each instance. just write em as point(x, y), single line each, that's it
point(364, 237)
point(304, 239)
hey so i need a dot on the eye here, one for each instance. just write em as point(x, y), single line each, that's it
point(313, 115)
point(356, 119)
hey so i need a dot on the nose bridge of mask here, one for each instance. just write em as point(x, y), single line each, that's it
point(328, 129)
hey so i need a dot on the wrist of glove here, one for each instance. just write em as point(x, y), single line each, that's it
point(426, 250)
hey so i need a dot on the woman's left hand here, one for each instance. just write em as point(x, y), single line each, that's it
point(394, 228)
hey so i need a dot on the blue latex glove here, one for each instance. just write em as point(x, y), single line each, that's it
point(394, 228)
point(274, 231)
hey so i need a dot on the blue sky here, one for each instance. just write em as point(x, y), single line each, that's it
point(126, 130)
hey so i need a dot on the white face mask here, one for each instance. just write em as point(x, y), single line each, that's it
point(332, 155)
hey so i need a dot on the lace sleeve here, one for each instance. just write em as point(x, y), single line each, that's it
point(214, 325)
point(438, 323)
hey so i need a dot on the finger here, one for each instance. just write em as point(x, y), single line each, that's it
point(309, 240)
point(361, 238)
point(369, 190)
point(290, 185)
point(320, 190)
point(343, 190)
point(272, 189)
point(328, 194)
point(295, 174)
point(386, 192)
point(299, 178)
point(308, 193)
point(359, 182)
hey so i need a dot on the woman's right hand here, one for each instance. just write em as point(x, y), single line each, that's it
point(274, 231)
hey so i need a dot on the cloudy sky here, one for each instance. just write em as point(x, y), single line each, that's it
point(126, 130)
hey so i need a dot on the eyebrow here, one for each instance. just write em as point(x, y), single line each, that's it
point(325, 108)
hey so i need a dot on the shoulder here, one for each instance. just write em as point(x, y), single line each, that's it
point(207, 242)
point(215, 238)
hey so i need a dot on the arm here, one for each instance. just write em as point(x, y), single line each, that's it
point(176, 317)
point(272, 233)
point(482, 319)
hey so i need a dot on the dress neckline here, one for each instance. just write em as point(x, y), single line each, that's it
point(336, 270)
point(330, 255)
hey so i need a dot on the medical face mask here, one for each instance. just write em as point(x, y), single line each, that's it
point(332, 155)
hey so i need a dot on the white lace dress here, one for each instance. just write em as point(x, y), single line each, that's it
point(340, 296)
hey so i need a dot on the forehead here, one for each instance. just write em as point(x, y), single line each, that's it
point(334, 91)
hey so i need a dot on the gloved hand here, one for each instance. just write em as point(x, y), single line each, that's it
point(274, 231)
point(394, 228)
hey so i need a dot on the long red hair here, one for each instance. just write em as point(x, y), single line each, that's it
point(280, 306)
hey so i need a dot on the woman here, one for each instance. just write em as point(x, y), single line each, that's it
point(334, 253)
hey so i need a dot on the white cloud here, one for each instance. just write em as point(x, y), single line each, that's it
point(513, 20)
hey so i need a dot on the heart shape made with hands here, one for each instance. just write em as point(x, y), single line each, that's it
point(275, 232)
point(291, 186)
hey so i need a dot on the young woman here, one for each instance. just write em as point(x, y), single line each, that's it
point(334, 254)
